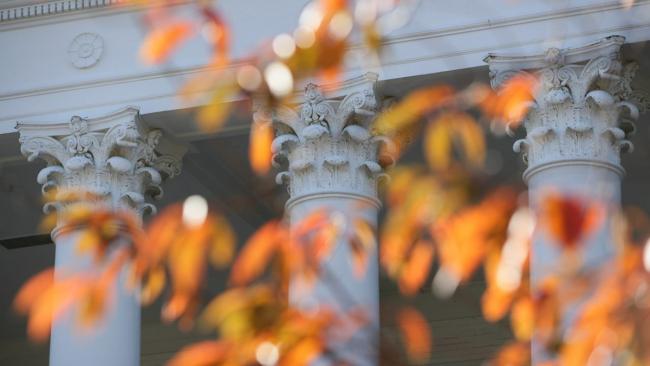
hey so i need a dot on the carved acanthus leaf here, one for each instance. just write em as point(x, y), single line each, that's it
point(117, 161)
point(328, 145)
point(584, 104)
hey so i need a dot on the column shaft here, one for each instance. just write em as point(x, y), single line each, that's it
point(338, 286)
point(333, 165)
point(115, 160)
point(115, 340)
point(576, 129)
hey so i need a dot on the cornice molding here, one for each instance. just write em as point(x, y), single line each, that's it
point(53, 8)
point(395, 67)
point(510, 21)
point(32, 9)
point(34, 13)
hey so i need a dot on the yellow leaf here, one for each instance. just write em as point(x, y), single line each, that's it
point(362, 243)
point(523, 319)
point(259, 152)
point(412, 108)
point(222, 249)
point(154, 285)
point(87, 241)
point(453, 127)
point(221, 306)
point(93, 304)
point(471, 137)
point(212, 116)
point(437, 144)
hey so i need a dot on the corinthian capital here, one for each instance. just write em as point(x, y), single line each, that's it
point(113, 157)
point(583, 109)
point(326, 144)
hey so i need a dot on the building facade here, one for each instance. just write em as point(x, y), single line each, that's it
point(73, 86)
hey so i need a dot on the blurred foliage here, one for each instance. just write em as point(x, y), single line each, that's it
point(436, 218)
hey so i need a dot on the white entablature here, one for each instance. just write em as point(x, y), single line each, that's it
point(440, 37)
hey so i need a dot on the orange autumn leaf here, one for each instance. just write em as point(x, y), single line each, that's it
point(324, 241)
point(163, 231)
point(463, 239)
point(200, 354)
point(256, 253)
point(186, 261)
point(261, 138)
point(310, 223)
point(32, 289)
point(303, 353)
point(512, 354)
point(153, 285)
point(495, 303)
point(96, 294)
point(177, 305)
point(315, 236)
point(511, 102)
point(415, 333)
point(547, 309)
point(517, 95)
point(362, 243)
point(51, 304)
point(164, 39)
point(418, 206)
point(569, 219)
point(416, 269)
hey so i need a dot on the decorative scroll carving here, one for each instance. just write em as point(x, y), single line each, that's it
point(327, 146)
point(112, 157)
point(584, 107)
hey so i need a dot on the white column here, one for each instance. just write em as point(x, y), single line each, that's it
point(576, 130)
point(116, 158)
point(333, 164)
